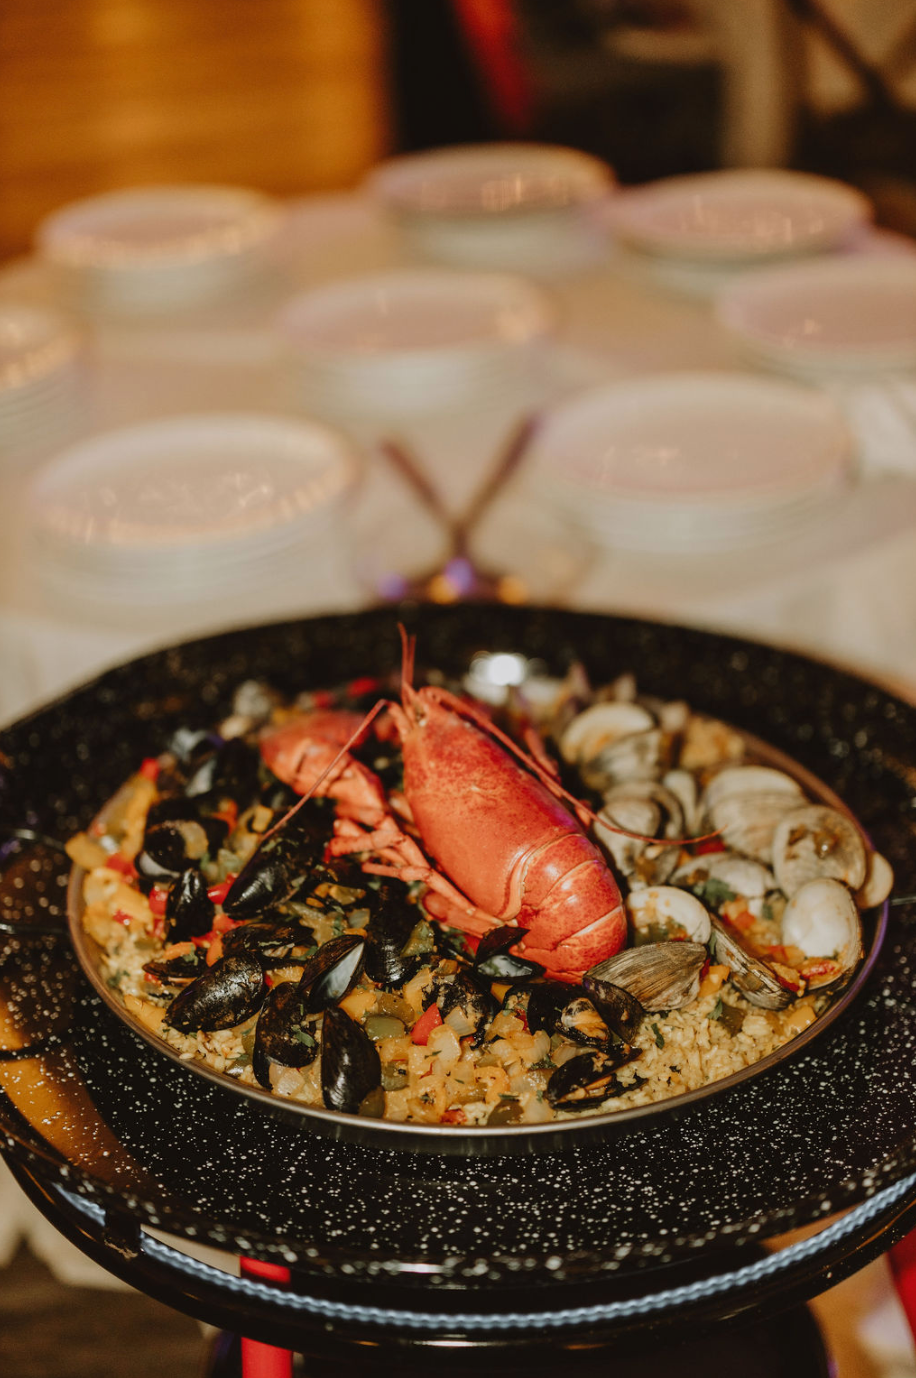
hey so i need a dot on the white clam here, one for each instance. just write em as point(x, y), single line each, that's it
point(740, 873)
point(666, 910)
point(599, 726)
point(744, 780)
point(636, 815)
point(821, 920)
point(683, 784)
point(748, 822)
point(818, 842)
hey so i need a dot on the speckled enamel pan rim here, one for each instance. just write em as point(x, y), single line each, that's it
point(519, 1138)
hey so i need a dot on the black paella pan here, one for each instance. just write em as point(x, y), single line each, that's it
point(88, 1103)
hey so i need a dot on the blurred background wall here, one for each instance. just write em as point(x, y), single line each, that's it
point(298, 95)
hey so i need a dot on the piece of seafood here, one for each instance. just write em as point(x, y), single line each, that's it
point(228, 993)
point(588, 1080)
point(661, 976)
point(756, 979)
point(664, 913)
point(817, 842)
point(822, 921)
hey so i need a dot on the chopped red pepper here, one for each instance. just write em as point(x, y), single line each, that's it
point(430, 1019)
point(223, 924)
point(454, 1116)
point(712, 844)
point(229, 815)
point(121, 864)
point(743, 921)
point(217, 893)
point(149, 768)
point(357, 687)
point(158, 898)
point(121, 917)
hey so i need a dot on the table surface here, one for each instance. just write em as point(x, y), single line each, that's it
point(842, 589)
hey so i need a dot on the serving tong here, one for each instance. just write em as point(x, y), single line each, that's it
point(459, 578)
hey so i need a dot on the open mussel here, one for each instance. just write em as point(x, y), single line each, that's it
point(661, 976)
point(180, 969)
point(465, 1006)
point(226, 994)
point(189, 910)
point(231, 770)
point(494, 962)
point(588, 1080)
point(330, 975)
point(351, 1069)
point(285, 1032)
point(272, 944)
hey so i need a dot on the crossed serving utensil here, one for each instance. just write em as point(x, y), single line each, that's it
point(459, 578)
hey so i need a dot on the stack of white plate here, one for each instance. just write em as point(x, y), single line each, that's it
point(693, 463)
point(157, 249)
point(694, 233)
point(503, 205)
point(235, 514)
point(838, 316)
point(411, 342)
point(39, 378)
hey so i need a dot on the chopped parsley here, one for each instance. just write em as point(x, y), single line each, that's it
point(716, 1011)
point(659, 1036)
point(714, 892)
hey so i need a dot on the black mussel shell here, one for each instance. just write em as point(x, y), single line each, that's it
point(232, 771)
point(493, 960)
point(190, 745)
point(350, 1064)
point(269, 877)
point(545, 1005)
point(228, 993)
point(333, 971)
point(284, 1033)
point(189, 911)
point(171, 809)
point(581, 1022)
point(186, 967)
point(393, 920)
point(476, 1004)
point(588, 1080)
point(271, 943)
point(620, 1010)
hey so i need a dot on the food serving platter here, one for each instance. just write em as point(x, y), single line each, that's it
point(85, 1102)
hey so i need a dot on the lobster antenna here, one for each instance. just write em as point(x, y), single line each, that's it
point(373, 713)
point(408, 658)
point(486, 725)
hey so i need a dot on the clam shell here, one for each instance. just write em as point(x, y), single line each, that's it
point(748, 822)
point(817, 842)
point(822, 920)
point(637, 756)
point(676, 912)
point(745, 780)
point(879, 881)
point(661, 976)
point(757, 982)
point(741, 874)
point(599, 726)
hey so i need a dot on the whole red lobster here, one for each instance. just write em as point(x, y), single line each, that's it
point(506, 848)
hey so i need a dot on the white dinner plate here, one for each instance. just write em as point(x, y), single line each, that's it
point(691, 461)
point(837, 314)
point(737, 214)
point(192, 480)
point(157, 248)
point(490, 180)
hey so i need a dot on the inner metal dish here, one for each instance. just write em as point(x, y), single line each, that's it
point(519, 1138)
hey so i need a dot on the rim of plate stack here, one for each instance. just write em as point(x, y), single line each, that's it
point(693, 463)
point(191, 510)
point(157, 248)
point(737, 215)
point(503, 204)
point(39, 356)
point(411, 340)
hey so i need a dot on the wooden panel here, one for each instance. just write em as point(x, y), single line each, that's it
point(286, 95)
